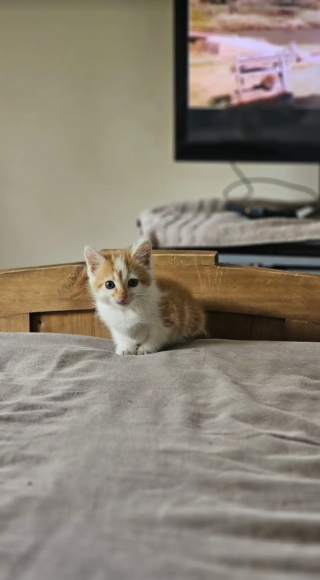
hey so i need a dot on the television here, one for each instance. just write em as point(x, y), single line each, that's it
point(247, 80)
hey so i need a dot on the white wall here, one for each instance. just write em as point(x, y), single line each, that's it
point(86, 117)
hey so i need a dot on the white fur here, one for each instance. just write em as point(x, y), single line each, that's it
point(136, 328)
point(120, 266)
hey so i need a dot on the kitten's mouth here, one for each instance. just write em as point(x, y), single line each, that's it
point(123, 302)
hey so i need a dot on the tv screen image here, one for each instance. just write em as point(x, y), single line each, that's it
point(245, 51)
point(247, 80)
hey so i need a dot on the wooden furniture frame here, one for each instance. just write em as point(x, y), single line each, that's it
point(242, 303)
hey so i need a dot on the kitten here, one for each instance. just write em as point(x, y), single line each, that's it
point(143, 313)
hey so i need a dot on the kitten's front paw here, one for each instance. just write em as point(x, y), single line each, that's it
point(128, 351)
point(146, 350)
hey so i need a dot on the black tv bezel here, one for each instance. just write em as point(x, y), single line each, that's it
point(188, 148)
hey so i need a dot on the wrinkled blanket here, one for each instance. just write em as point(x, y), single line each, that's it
point(197, 463)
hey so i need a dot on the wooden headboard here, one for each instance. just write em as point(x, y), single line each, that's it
point(242, 303)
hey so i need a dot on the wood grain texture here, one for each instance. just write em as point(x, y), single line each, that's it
point(258, 291)
point(298, 331)
point(15, 323)
point(82, 322)
point(230, 326)
point(254, 295)
point(265, 328)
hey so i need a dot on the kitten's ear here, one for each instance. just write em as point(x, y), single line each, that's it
point(141, 251)
point(93, 259)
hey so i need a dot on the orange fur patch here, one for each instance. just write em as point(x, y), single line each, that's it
point(108, 271)
point(180, 311)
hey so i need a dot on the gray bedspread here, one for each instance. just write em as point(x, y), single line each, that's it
point(192, 464)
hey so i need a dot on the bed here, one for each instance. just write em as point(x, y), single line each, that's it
point(197, 462)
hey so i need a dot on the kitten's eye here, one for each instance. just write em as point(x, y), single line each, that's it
point(133, 282)
point(109, 285)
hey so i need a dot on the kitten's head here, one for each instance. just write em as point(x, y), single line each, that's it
point(120, 278)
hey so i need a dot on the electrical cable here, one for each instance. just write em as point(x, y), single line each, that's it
point(249, 183)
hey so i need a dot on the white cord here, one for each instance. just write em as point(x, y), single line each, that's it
point(250, 181)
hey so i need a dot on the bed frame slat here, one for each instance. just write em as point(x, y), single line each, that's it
point(242, 302)
point(15, 323)
point(74, 322)
point(302, 331)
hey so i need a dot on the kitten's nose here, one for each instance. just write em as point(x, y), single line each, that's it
point(122, 299)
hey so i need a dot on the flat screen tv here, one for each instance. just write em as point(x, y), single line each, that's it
point(247, 80)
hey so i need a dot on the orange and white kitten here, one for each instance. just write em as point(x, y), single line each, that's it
point(143, 313)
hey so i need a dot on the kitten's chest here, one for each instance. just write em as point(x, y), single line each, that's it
point(118, 319)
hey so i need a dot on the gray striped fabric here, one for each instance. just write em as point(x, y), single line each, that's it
point(206, 223)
